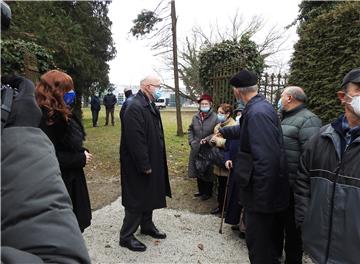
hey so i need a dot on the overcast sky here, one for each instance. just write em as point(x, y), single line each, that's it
point(134, 58)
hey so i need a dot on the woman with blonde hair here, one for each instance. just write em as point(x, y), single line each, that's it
point(55, 95)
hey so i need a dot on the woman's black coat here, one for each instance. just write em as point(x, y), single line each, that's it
point(67, 137)
point(142, 148)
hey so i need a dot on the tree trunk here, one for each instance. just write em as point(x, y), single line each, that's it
point(176, 72)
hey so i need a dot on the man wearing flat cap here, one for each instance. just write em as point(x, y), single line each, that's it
point(327, 189)
point(261, 170)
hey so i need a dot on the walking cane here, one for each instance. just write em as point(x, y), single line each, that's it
point(224, 205)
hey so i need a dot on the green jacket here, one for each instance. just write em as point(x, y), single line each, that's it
point(298, 126)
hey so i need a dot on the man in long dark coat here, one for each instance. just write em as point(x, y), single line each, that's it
point(144, 172)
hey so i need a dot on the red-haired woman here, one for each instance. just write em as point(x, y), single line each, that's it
point(55, 94)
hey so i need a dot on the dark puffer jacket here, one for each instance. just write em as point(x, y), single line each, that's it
point(327, 197)
point(109, 101)
point(298, 125)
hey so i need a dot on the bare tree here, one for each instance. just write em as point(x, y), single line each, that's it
point(271, 44)
point(188, 65)
point(164, 41)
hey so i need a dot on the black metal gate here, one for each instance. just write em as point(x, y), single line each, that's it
point(270, 85)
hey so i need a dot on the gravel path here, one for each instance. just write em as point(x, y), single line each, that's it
point(191, 238)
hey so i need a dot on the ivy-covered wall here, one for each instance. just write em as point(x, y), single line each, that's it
point(328, 47)
point(13, 53)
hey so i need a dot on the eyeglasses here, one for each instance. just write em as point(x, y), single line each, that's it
point(156, 86)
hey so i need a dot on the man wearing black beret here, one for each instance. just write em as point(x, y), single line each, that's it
point(261, 170)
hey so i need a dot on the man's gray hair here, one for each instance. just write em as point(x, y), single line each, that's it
point(149, 79)
point(297, 93)
point(253, 88)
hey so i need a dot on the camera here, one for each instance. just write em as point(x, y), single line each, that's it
point(5, 16)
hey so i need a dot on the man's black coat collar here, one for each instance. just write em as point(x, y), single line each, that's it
point(146, 103)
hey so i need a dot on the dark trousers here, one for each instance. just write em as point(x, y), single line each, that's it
point(205, 187)
point(95, 115)
point(111, 112)
point(221, 191)
point(264, 237)
point(293, 241)
point(133, 220)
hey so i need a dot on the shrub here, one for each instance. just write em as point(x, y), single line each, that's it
point(327, 49)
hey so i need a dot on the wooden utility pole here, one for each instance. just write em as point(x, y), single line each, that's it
point(176, 71)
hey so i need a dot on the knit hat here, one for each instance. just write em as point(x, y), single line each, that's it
point(243, 78)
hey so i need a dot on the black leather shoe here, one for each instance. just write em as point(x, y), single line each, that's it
point(205, 197)
point(133, 244)
point(197, 194)
point(155, 233)
point(235, 228)
point(242, 235)
point(215, 211)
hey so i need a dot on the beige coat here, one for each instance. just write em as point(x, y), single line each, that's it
point(220, 143)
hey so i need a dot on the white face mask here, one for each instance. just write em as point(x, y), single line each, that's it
point(355, 104)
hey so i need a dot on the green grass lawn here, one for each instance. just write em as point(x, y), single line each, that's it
point(103, 142)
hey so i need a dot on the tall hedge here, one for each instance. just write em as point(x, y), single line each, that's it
point(328, 47)
point(244, 50)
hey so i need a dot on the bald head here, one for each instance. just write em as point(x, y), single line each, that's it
point(150, 80)
point(149, 84)
point(296, 92)
point(292, 97)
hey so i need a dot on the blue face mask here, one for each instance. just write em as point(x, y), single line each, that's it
point(205, 109)
point(279, 105)
point(157, 94)
point(69, 97)
point(221, 117)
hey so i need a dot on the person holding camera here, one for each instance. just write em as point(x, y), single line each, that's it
point(37, 221)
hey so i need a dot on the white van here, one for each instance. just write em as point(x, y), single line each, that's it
point(160, 103)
